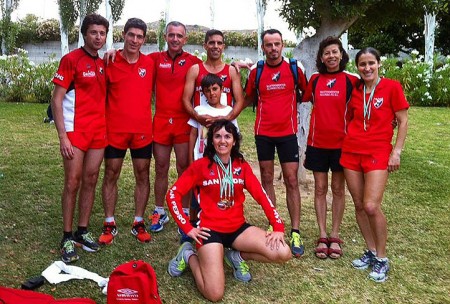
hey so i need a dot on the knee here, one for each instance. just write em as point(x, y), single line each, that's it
point(291, 181)
point(371, 208)
point(338, 190)
point(72, 184)
point(320, 190)
point(267, 177)
point(359, 207)
point(284, 254)
point(161, 168)
point(214, 294)
point(90, 178)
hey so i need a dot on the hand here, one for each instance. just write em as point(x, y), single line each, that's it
point(274, 239)
point(199, 233)
point(109, 55)
point(394, 161)
point(66, 148)
point(205, 120)
point(238, 65)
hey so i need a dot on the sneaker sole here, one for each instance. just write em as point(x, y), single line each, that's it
point(135, 235)
point(86, 248)
point(379, 280)
point(73, 259)
point(360, 267)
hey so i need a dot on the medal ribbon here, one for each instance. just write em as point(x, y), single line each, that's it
point(226, 179)
point(368, 104)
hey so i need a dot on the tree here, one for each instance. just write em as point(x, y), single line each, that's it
point(332, 18)
point(114, 9)
point(443, 31)
point(260, 12)
point(7, 31)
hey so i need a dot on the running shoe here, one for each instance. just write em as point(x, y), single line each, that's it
point(184, 237)
point(86, 241)
point(297, 247)
point(139, 231)
point(366, 260)
point(178, 264)
point(241, 271)
point(158, 221)
point(108, 234)
point(68, 251)
point(379, 271)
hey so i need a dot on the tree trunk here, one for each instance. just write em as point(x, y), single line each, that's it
point(430, 25)
point(109, 17)
point(306, 52)
point(7, 10)
point(260, 12)
point(83, 11)
point(64, 38)
point(212, 6)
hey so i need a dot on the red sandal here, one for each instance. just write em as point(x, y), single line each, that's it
point(332, 252)
point(322, 252)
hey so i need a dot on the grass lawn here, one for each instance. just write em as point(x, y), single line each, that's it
point(416, 203)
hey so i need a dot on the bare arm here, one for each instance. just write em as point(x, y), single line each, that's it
point(238, 94)
point(394, 159)
point(65, 145)
point(192, 140)
point(188, 93)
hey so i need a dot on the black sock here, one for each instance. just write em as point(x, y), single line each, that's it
point(295, 230)
point(67, 235)
point(81, 230)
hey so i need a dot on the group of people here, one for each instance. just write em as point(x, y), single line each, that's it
point(102, 110)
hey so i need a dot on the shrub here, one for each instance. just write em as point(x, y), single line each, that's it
point(23, 81)
point(48, 30)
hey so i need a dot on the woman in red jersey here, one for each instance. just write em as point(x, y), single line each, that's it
point(368, 155)
point(329, 90)
point(221, 177)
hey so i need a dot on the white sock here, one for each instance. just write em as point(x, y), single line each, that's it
point(138, 218)
point(109, 219)
point(160, 210)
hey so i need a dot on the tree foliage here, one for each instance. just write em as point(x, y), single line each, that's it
point(117, 9)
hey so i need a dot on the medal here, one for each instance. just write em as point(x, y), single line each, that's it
point(368, 105)
point(226, 184)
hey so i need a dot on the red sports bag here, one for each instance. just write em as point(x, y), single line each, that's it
point(133, 283)
point(20, 296)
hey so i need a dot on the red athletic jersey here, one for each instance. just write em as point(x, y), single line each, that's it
point(200, 174)
point(276, 112)
point(329, 94)
point(130, 86)
point(170, 76)
point(227, 94)
point(83, 76)
point(387, 99)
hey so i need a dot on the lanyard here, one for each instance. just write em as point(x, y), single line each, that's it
point(226, 179)
point(368, 105)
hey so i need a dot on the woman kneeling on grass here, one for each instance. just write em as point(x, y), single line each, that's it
point(368, 155)
point(220, 177)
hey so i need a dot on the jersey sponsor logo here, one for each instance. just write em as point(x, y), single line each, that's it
point(59, 76)
point(377, 102)
point(331, 83)
point(216, 181)
point(142, 72)
point(328, 93)
point(89, 74)
point(237, 171)
point(165, 65)
point(127, 292)
point(173, 205)
point(276, 76)
point(182, 62)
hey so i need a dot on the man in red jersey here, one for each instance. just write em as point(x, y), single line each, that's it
point(129, 126)
point(276, 126)
point(78, 105)
point(170, 127)
point(192, 96)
